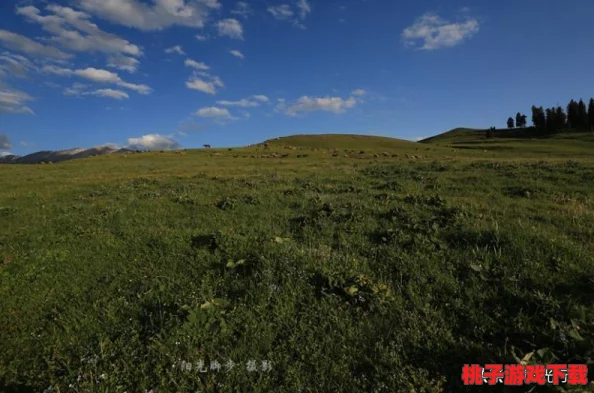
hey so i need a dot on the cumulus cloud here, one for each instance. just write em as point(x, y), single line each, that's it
point(304, 8)
point(5, 142)
point(213, 112)
point(242, 9)
point(328, 104)
point(5, 153)
point(230, 28)
point(431, 32)
point(297, 14)
point(201, 85)
point(252, 102)
point(281, 12)
point(124, 63)
point(195, 64)
point(26, 45)
point(153, 15)
point(237, 54)
point(109, 93)
point(175, 49)
point(98, 76)
point(73, 30)
point(15, 65)
point(14, 101)
point(204, 82)
point(153, 142)
point(261, 98)
point(243, 103)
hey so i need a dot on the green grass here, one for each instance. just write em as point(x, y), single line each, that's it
point(365, 273)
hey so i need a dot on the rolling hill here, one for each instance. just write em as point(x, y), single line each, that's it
point(525, 141)
point(341, 141)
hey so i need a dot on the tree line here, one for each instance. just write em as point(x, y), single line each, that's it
point(554, 119)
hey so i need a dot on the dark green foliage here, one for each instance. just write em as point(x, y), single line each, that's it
point(591, 114)
point(510, 122)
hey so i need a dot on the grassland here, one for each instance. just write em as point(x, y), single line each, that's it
point(351, 265)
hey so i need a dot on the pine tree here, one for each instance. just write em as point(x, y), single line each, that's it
point(518, 119)
point(524, 121)
point(572, 114)
point(591, 114)
point(510, 122)
point(551, 120)
point(560, 119)
point(582, 115)
point(538, 118)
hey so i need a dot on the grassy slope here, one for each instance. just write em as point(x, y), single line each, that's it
point(342, 141)
point(361, 274)
point(520, 141)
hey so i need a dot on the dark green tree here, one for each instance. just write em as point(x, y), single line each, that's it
point(582, 115)
point(538, 118)
point(560, 119)
point(524, 120)
point(591, 114)
point(518, 119)
point(551, 122)
point(573, 114)
point(510, 122)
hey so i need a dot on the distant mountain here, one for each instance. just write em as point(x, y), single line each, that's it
point(60, 155)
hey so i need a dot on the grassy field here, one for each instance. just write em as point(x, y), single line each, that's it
point(352, 264)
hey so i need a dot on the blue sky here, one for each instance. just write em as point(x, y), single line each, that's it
point(168, 73)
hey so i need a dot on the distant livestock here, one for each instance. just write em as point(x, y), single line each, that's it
point(206, 146)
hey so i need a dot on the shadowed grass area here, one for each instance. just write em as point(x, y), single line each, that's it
point(364, 273)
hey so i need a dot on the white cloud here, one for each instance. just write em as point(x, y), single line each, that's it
point(243, 103)
point(281, 12)
point(201, 85)
point(285, 12)
point(5, 142)
point(304, 8)
point(98, 76)
point(359, 92)
point(124, 63)
point(175, 49)
point(433, 32)
point(15, 65)
point(77, 89)
point(13, 101)
point(74, 31)
point(156, 16)
point(153, 142)
point(213, 112)
point(261, 98)
point(251, 102)
point(230, 28)
point(23, 44)
point(195, 64)
point(109, 93)
point(242, 9)
point(201, 37)
point(328, 104)
point(5, 154)
point(237, 54)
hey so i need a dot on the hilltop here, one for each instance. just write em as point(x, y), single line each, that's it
point(525, 141)
point(340, 141)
